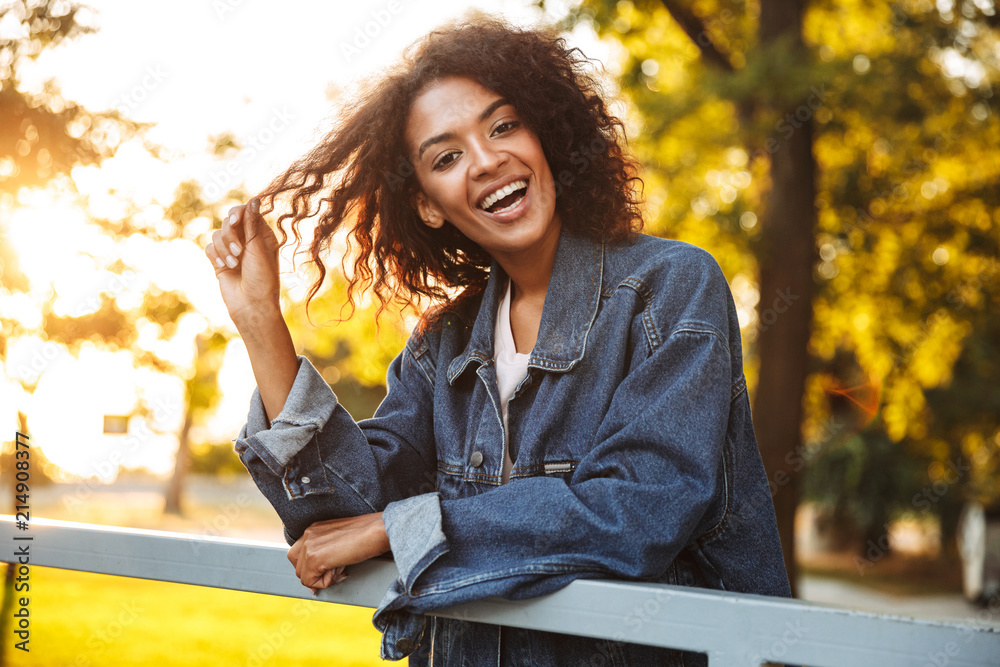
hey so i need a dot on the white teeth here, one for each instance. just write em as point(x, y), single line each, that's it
point(507, 208)
point(502, 192)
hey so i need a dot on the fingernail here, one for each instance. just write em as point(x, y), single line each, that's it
point(255, 204)
point(233, 218)
point(219, 263)
point(235, 248)
point(231, 261)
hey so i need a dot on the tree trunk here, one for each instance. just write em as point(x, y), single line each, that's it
point(787, 256)
point(173, 503)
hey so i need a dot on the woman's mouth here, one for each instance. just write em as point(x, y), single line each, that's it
point(508, 203)
point(506, 198)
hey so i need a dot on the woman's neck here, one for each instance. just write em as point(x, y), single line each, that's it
point(529, 275)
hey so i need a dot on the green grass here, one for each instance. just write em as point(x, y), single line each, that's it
point(83, 620)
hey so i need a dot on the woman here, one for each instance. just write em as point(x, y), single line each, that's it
point(578, 410)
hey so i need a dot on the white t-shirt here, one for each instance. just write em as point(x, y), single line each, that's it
point(512, 366)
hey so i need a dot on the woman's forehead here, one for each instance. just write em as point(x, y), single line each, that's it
point(446, 104)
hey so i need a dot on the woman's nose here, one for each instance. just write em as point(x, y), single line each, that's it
point(486, 159)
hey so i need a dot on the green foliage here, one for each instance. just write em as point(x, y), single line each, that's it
point(352, 354)
point(901, 100)
point(215, 459)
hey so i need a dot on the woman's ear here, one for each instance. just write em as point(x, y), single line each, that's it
point(428, 212)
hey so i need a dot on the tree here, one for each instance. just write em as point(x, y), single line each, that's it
point(43, 135)
point(201, 393)
point(821, 150)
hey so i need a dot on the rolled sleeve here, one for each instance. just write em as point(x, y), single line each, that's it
point(417, 539)
point(309, 405)
point(416, 534)
point(313, 461)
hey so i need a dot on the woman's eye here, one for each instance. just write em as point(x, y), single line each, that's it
point(506, 126)
point(445, 160)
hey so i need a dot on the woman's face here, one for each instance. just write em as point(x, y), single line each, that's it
point(480, 169)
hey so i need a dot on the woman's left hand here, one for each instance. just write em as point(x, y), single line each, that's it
point(321, 554)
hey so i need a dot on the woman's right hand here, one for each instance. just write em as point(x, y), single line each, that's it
point(248, 277)
point(247, 271)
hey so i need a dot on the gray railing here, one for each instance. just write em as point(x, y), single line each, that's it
point(733, 629)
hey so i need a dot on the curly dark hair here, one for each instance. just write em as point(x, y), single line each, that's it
point(361, 171)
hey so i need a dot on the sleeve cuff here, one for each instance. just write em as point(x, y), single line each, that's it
point(416, 537)
point(309, 405)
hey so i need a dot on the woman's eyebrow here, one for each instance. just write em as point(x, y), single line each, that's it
point(445, 136)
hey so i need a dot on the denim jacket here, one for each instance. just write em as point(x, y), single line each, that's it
point(634, 457)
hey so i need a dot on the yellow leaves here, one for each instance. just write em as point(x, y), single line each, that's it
point(907, 356)
point(358, 347)
point(884, 260)
point(816, 412)
point(903, 410)
point(371, 350)
point(971, 213)
point(974, 446)
point(936, 348)
point(871, 27)
point(826, 329)
point(834, 152)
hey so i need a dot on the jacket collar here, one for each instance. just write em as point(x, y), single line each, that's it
point(570, 309)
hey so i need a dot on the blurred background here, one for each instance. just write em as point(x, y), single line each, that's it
point(839, 158)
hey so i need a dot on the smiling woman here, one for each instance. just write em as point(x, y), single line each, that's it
point(572, 405)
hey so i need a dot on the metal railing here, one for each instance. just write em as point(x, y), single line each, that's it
point(733, 629)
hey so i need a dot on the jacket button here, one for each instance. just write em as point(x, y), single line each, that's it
point(405, 645)
point(305, 480)
point(477, 459)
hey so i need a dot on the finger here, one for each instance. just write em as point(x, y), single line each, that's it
point(325, 580)
point(300, 570)
point(232, 232)
point(217, 262)
point(256, 228)
point(220, 248)
point(235, 215)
